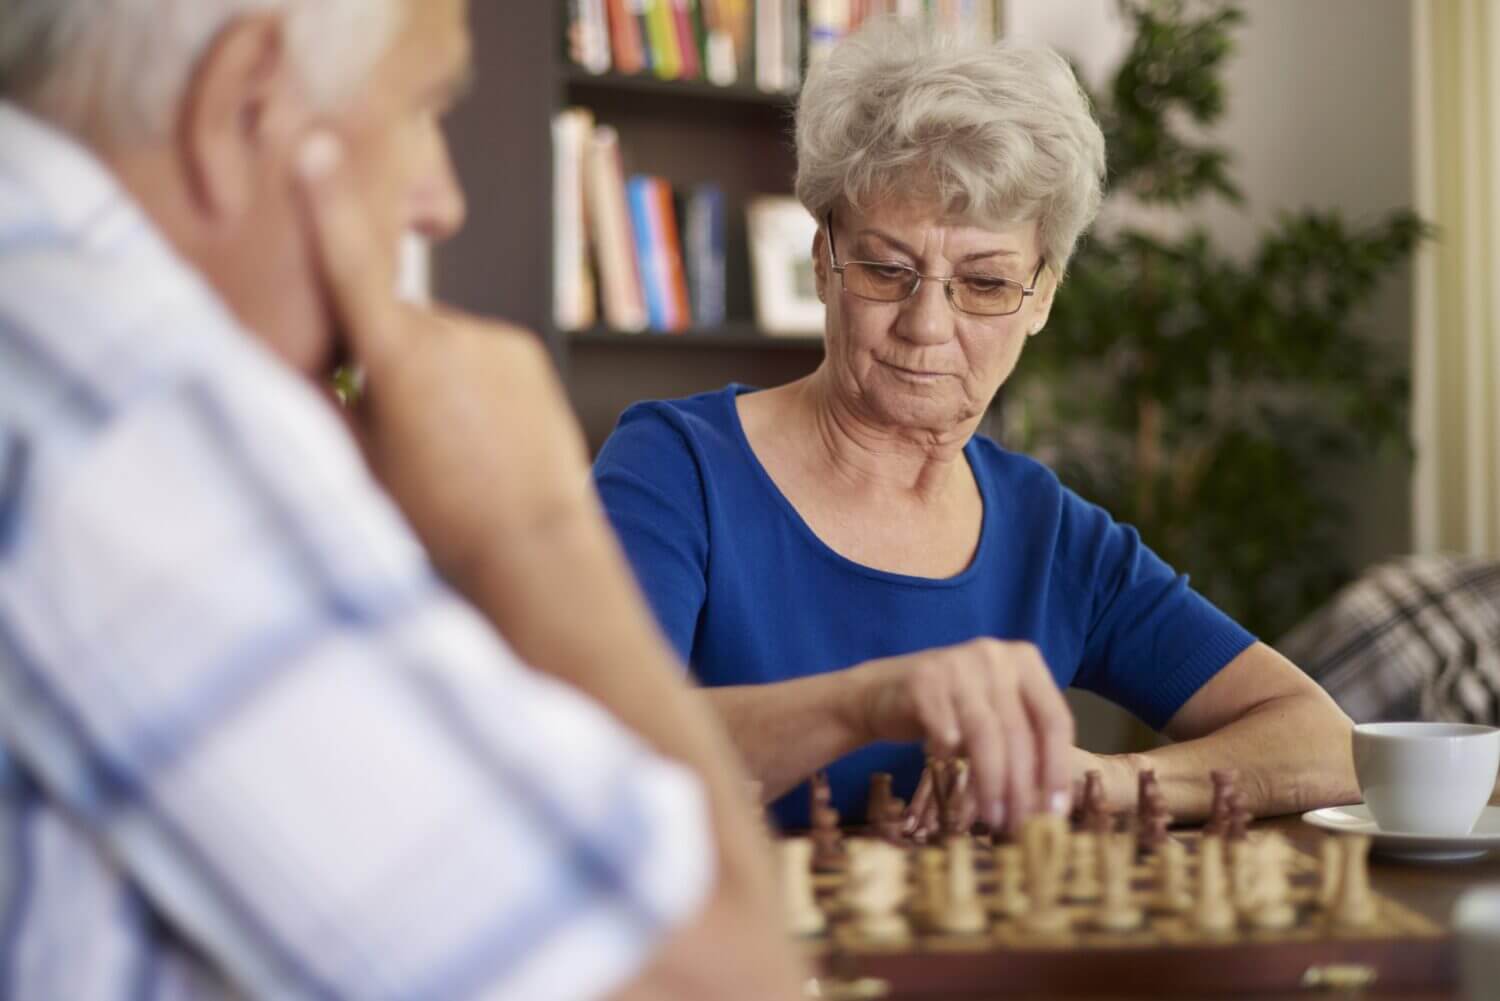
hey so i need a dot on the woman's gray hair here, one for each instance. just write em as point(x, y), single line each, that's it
point(993, 132)
point(125, 63)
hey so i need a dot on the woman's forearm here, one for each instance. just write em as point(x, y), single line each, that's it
point(1292, 753)
point(788, 730)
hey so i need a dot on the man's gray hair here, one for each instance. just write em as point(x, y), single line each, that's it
point(994, 133)
point(125, 63)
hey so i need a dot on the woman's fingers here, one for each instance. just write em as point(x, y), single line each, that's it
point(921, 800)
point(987, 759)
point(1052, 724)
point(1020, 750)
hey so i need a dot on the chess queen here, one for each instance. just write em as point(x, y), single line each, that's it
point(853, 571)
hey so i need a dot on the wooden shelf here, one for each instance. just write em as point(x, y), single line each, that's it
point(732, 337)
point(582, 83)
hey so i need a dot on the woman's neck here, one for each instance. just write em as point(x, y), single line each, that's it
point(866, 453)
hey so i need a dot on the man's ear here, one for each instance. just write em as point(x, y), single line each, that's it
point(820, 263)
point(234, 112)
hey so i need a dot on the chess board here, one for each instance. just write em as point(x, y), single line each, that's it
point(1167, 955)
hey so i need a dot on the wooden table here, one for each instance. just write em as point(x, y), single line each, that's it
point(1429, 889)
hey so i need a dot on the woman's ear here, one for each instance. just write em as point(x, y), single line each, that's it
point(1046, 292)
point(820, 263)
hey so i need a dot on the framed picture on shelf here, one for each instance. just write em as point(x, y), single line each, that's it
point(786, 293)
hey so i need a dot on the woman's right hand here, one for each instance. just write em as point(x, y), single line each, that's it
point(992, 701)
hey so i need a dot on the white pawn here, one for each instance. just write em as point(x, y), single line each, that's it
point(1270, 906)
point(876, 890)
point(1116, 853)
point(1174, 897)
point(1328, 872)
point(1010, 899)
point(1212, 913)
point(799, 904)
point(961, 912)
point(1083, 880)
point(1355, 907)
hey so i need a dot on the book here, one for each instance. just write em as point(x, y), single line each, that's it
point(705, 239)
point(661, 37)
point(647, 241)
point(687, 40)
point(674, 275)
point(769, 39)
point(625, 38)
point(588, 35)
point(611, 233)
point(573, 301)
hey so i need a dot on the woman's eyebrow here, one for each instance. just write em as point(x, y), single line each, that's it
point(898, 245)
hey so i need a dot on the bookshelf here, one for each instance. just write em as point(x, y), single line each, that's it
point(501, 264)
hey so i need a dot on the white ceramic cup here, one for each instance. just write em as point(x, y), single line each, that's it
point(1476, 922)
point(1426, 778)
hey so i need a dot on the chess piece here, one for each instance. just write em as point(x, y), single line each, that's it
point(1152, 816)
point(827, 839)
point(879, 798)
point(892, 825)
point(1224, 780)
point(961, 912)
point(1010, 899)
point(1213, 913)
point(931, 885)
point(1116, 857)
point(1173, 897)
point(1094, 814)
point(799, 905)
point(1237, 817)
point(1269, 906)
point(1355, 906)
point(1044, 844)
point(875, 892)
point(1083, 867)
point(1331, 858)
point(953, 781)
point(1243, 872)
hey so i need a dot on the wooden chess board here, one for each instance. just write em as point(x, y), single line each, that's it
point(1400, 949)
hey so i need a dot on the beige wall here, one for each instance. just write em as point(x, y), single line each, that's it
point(1320, 115)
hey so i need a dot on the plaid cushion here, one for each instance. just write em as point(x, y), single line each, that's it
point(1417, 638)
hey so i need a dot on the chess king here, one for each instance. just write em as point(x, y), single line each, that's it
point(852, 571)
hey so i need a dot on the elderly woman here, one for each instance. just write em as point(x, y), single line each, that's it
point(851, 571)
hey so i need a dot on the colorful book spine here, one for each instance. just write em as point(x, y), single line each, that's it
point(674, 275)
point(647, 244)
point(612, 233)
point(704, 233)
point(661, 35)
point(573, 299)
point(687, 41)
point(625, 38)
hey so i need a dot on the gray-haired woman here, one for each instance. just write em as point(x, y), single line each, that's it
point(852, 571)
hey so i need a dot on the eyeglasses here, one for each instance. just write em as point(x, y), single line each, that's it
point(885, 281)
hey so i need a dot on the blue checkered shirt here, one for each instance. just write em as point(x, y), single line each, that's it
point(250, 745)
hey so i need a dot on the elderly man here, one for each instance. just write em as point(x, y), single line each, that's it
point(259, 732)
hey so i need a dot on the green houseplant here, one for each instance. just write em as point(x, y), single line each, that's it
point(1200, 397)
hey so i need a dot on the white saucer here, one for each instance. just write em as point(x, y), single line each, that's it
point(1412, 847)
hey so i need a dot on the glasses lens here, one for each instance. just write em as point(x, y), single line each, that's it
point(881, 282)
point(987, 296)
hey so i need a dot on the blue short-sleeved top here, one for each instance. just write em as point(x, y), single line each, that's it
point(749, 594)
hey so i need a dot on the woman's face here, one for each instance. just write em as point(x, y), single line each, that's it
point(921, 365)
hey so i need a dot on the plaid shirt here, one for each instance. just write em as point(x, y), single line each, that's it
point(1414, 639)
point(249, 743)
